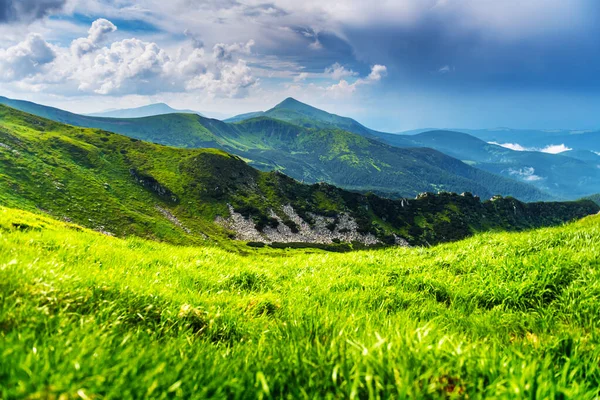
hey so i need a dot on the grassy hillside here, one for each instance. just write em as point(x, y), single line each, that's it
point(315, 154)
point(496, 316)
point(124, 186)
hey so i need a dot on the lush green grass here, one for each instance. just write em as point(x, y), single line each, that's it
point(502, 315)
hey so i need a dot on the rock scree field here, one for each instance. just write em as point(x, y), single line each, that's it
point(498, 315)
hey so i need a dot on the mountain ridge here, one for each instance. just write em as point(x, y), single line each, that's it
point(148, 110)
point(340, 157)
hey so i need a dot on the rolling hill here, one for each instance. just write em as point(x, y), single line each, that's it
point(312, 155)
point(144, 111)
point(124, 186)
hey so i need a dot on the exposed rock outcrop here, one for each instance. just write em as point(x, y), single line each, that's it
point(324, 230)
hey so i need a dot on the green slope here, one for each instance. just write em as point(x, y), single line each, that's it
point(127, 187)
point(312, 155)
point(499, 316)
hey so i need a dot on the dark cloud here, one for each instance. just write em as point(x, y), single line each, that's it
point(566, 60)
point(28, 10)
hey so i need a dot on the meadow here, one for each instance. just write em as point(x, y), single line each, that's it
point(498, 315)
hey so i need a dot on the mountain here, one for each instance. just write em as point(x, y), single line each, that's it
point(583, 155)
point(301, 114)
point(312, 155)
point(570, 174)
point(144, 111)
point(124, 186)
point(566, 176)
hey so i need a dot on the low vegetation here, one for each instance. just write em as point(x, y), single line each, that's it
point(499, 315)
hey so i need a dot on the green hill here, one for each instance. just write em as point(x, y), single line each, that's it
point(124, 186)
point(497, 316)
point(312, 155)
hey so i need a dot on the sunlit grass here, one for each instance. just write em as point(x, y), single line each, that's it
point(497, 315)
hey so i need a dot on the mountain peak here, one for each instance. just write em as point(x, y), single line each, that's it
point(292, 103)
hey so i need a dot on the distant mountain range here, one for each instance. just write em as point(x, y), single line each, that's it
point(144, 111)
point(571, 174)
point(123, 186)
point(314, 152)
point(312, 145)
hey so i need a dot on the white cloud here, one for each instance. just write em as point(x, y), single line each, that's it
point(526, 173)
point(377, 72)
point(226, 52)
point(96, 36)
point(511, 146)
point(555, 149)
point(301, 77)
point(26, 59)
point(344, 88)
point(550, 149)
point(128, 66)
point(338, 71)
point(233, 80)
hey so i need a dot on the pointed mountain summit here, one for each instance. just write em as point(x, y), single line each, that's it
point(301, 114)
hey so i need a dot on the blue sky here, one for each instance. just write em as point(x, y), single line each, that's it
point(393, 65)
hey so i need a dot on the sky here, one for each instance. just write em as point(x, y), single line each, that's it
point(393, 65)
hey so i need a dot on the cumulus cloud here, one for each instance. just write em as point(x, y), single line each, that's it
point(527, 174)
point(226, 52)
point(96, 36)
point(344, 88)
point(128, 66)
point(26, 59)
point(233, 80)
point(131, 66)
point(28, 10)
point(338, 71)
point(550, 149)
